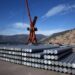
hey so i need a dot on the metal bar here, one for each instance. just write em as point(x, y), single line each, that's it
point(56, 69)
point(65, 70)
point(60, 69)
point(69, 70)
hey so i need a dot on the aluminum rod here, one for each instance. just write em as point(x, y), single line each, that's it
point(69, 70)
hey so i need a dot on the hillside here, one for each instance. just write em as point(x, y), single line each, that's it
point(65, 37)
point(17, 39)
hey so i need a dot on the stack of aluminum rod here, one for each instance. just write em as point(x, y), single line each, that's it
point(11, 54)
point(34, 54)
point(50, 57)
point(57, 53)
point(18, 53)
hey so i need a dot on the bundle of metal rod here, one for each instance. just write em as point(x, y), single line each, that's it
point(54, 68)
point(61, 69)
point(10, 60)
point(32, 50)
point(57, 57)
point(11, 56)
point(38, 48)
point(59, 50)
point(10, 52)
point(33, 55)
point(10, 48)
point(63, 62)
point(34, 60)
point(68, 61)
point(28, 48)
point(15, 61)
point(47, 67)
point(49, 62)
point(33, 64)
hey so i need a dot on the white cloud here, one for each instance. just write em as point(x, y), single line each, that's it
point(20, 25)
point(58, 9)
point(49, 32)
point(54, 11)
point(73, 6)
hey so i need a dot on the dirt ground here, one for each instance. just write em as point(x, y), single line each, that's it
point(7, 68)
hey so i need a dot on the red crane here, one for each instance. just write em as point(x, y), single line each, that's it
point(32, 36)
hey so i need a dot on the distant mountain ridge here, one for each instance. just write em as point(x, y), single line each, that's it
point(17, 39)
point(65, 37)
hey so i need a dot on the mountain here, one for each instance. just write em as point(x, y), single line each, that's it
point(17, 39)
point(65, 37)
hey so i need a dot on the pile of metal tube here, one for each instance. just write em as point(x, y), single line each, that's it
point(49, 57)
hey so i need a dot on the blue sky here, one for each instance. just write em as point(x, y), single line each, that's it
point(53, 16)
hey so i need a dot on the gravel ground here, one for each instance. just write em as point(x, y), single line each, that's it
point(7, 68)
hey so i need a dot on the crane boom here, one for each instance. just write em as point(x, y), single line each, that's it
point(28, 10)
point(32, 36)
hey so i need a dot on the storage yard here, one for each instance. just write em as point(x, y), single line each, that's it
point(38, 58)
point(34, 57)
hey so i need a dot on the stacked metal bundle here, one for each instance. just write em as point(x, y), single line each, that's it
point(49, 57)
point(23, 53)
point(57, 53)
point(34, 54)
point(11, 54)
